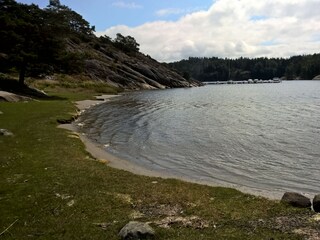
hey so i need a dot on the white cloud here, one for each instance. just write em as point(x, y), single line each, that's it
point(169, 11)
point(122, 4)
point(233, 28)
point(176, 11)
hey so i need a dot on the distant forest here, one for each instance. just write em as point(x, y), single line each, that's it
point(218, 69)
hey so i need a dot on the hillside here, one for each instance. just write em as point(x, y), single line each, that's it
point(127, 70)
point(40, 43)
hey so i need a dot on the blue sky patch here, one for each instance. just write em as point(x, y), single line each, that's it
point(269, 43)
point(258, 17)
point(315, 37)
point(107, 13)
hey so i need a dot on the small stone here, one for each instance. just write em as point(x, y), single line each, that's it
point(296, 200)
point(71, 203)
point(104, 161)
point(73, 136)
point(1, 112)
point(65, 121)
point(316, 203)
point(315, 218)
point(104, 226)
point(5, 132)
point(136, 230)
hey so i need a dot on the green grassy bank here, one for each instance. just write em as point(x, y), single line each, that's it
point(51, 188)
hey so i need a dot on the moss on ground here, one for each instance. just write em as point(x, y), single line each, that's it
point(51, 188)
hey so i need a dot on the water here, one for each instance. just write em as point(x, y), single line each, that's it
point(260, 138)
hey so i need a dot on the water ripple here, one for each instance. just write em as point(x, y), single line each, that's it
point(263, 138)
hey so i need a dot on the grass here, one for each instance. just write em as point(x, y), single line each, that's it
point(76, 83)
point(51, 188)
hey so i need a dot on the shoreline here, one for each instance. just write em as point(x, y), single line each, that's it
point(98, 152)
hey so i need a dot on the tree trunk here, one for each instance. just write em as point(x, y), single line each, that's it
point(22, 73)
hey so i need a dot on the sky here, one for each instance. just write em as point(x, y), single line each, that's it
point(174, 30)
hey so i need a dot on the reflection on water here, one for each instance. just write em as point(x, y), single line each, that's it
point(260, 138)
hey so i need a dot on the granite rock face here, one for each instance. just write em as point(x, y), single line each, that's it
point(11, 97)
point(131, 71)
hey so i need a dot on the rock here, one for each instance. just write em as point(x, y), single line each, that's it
point(136, 230)
point(316, 203)
point(296, 200)
point(315, 218)
point(5, 132)
point(11, 97)
point(64, 121)
point(316, 77)
point(67, 121)
point(132, 71)
point(70, 203)
point(1, 112)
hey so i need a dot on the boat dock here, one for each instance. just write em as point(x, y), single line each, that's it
point(250, 81)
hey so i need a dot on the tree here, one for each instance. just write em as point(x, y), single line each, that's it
point(54, 3)
point(32, 40)
point(127, 44)
point(69, 19)
point(105, 39)
point(21, 35)
point(217, 69)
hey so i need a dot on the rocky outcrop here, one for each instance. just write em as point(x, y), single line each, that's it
point(131, 71)
point(296, 200)
point(136, 230)
point(12, 91)
point(11, 97)
point(316, 203)
point(316, 77)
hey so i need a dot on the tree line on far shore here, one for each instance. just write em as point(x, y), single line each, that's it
point(223, 69)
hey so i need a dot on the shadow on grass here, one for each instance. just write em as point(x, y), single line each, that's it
point(13, 86)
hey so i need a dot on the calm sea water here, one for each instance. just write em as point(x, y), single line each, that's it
point(260, 138)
